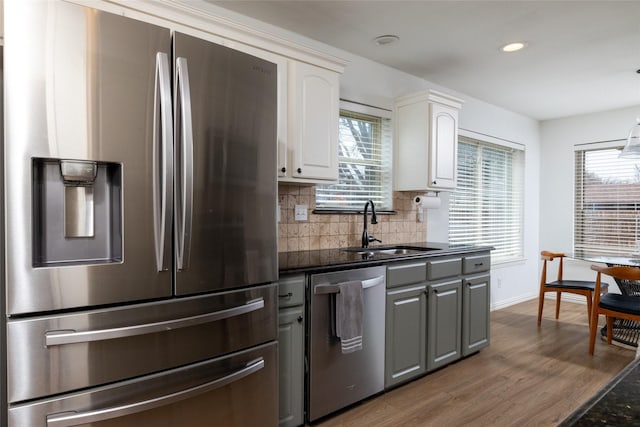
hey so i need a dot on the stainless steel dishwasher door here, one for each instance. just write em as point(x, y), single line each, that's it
point(337, 380)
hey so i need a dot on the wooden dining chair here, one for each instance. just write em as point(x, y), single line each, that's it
point(560, 285)
point(613, 305)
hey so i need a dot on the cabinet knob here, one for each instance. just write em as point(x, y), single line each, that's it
point(434, 183)
point(299, 319)
point(283, 170)
point(299, 170)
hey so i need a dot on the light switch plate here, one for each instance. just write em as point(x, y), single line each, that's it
point(300, 212)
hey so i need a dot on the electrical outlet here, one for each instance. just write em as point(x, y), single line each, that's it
point(300, 212)
point(499, 283)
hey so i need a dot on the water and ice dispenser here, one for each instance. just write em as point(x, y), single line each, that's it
point(77, 212)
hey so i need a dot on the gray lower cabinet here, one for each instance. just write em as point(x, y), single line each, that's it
point(444, 323)
point(406, 322)
point(437, 311)
point(475, 313)
point(406, 335)
point(291, 320)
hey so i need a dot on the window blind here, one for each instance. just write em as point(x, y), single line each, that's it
point(487, 206)
point(607, 202)
point(364, 165)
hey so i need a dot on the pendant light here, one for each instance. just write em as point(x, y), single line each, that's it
point(632, 147)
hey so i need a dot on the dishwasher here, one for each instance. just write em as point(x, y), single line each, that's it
point(335, 379)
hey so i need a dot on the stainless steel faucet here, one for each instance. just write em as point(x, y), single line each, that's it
point(366, 238)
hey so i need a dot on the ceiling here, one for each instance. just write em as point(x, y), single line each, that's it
point(581, 56)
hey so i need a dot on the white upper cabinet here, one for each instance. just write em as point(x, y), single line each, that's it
point(426, 142)
point(313, 113)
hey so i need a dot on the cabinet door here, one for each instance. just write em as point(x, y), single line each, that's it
point(291, 372)
point(313, 122)
point(411, 142)
point(405, 341)
point(475, 314)
point(444, 327)
point(283, 100)
point(443, 149)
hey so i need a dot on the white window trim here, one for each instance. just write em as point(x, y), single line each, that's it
point(385, 114)
point(357, 107)
point(492, 139)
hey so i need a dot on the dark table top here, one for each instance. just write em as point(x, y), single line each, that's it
point(616, 404)
point(334, 259)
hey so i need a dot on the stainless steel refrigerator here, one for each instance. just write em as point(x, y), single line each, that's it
point(140, 234)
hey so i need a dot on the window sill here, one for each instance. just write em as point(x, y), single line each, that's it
point(350, 212)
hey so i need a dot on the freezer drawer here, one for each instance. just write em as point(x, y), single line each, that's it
point(235, 390)
point(57, 354)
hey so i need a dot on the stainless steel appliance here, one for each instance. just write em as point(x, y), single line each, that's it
point(337, 379)
point(140, 253)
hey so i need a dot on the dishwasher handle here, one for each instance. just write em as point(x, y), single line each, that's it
point(324, 289)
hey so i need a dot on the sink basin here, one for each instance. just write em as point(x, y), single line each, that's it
point(399, 251)
point(389, 250)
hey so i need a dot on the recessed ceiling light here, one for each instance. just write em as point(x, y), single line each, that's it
point(386, 40)
point(513, 47)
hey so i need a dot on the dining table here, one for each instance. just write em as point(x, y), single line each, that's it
point(624, 331)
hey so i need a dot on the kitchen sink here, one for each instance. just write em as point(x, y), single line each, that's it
point(389, 250)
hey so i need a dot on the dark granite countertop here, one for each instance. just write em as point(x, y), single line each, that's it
point(616, 404)
point(335, 259)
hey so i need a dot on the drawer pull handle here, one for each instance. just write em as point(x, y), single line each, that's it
point(287, 295)
point(53, 338)
point(74, 418)
point(478, 264)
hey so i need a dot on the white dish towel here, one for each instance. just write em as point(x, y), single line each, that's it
point(349, 315)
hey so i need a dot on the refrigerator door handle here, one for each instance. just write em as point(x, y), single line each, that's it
point(54, 338)
point(68, 419)
point(184, 137)
point(162, 161)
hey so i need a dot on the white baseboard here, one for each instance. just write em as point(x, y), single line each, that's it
point(511, 301)
point(572, 298)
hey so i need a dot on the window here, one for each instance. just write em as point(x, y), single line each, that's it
point(364, 162)
point(487, 206)
point(607, 202)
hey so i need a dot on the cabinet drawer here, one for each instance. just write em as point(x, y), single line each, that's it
point(438, 269)
point(475, 264)
point(290, 291)
point(404, 274)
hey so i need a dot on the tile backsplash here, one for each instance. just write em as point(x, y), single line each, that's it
point(325, 231)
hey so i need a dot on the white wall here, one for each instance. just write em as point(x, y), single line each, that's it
point(559, 138)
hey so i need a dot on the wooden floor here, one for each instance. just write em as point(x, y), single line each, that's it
point(528, 376)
